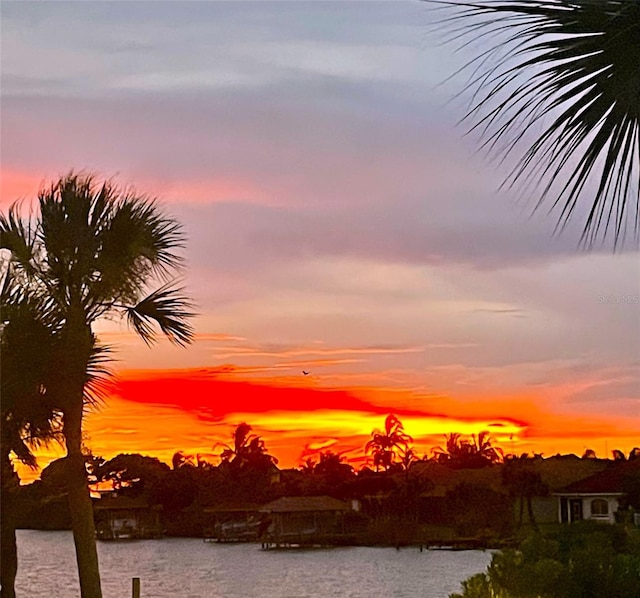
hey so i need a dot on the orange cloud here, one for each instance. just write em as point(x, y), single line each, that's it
point(194, 410)
point(288, 416)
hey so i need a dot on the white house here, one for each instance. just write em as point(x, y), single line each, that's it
point(597, 497)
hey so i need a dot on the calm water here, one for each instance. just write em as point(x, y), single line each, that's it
point(191, 568)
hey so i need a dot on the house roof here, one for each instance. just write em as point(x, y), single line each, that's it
point(609, 481)
point(560, 471)
point(233, 508)
point(121, 502)
point(295, 504)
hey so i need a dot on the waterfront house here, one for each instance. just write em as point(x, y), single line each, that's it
point(125, 517)
point(558, 473)
point(597, 497)
point(303, 520)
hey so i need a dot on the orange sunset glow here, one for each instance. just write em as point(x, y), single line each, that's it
point(159, 412)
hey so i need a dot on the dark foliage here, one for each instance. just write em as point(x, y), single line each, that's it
point(582, 561)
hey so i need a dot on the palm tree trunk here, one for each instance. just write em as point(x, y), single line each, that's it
point(532, 518)
point(80, 507)
point(521, 512)
point(8, 546)
point(8, 553)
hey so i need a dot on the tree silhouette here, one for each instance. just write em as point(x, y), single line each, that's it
point(241, 437)
point(634, 454)
point(308, 466)
point(408, 457)
point(475, 453)
point(334, 468)
point(91, 249)
point(385, 445)
point(175, 490)
point(618, 455)
point(180, 460)
point(484, 449)
point(202, 463)
point(524, 483)
point(28, 413)
point(248, 451)
point(563, 73)
point(451, 450)
point(131, 471)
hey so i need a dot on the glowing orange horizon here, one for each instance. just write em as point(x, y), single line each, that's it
point(157, 413)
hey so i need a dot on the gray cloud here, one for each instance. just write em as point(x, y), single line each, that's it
point(129, 46)
point(363, 213)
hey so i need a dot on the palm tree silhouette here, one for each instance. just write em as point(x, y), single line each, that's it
point(90, 250)
point(634, 454)
point(452, 448)
point(385, 445)
point(308, 466)
point(181, 460)
point(462, 453)
point(240, 437)
point(28, 415)
point(524, 483)
point(483, 448)
point(563, 73)
point(248, 451)
point(334, 467)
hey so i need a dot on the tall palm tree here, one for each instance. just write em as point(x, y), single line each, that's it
point(248, 451)
point(91, 249)
point(385, 445)
point(560, 86)
point(28, 414)
point(241, 437)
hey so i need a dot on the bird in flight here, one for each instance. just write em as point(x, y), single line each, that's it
point(305, 373)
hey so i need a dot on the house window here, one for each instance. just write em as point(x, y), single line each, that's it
point(599, 506)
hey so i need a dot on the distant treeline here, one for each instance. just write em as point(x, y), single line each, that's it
point(467, 488)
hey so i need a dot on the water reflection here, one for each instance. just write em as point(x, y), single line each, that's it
point(191, 568)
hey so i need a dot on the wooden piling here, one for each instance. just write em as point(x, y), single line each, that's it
point(135, 587)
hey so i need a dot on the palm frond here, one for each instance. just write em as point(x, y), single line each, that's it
point(167, 308)
point(18, 237)
point(565, 73)
point(137, 242)
point(163, 236)
point(104, 241)
point(20, 447)
point(99, 377)
point(30, 415)
point(139, 234)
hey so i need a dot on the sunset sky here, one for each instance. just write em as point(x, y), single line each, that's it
point(339, 222)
